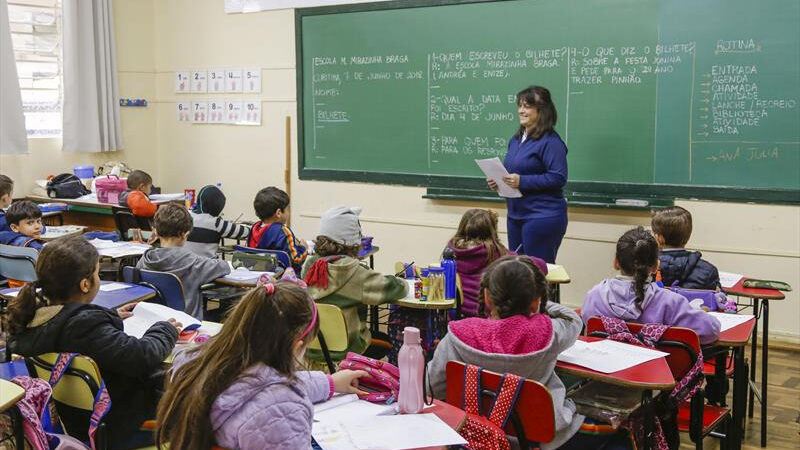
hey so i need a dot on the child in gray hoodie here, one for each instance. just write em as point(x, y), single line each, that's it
point(173, 224)
point(523, 335)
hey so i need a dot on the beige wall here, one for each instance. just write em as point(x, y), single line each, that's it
point(760, 240)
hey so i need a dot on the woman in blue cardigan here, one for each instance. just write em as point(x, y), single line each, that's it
point(537, 165)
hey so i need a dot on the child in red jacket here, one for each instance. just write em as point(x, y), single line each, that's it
point(136, 197)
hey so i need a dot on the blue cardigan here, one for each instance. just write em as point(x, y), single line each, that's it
point(542, 166)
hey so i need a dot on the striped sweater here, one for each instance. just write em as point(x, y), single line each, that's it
point(208, 230)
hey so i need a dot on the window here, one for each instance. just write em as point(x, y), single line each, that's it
point(36, 38)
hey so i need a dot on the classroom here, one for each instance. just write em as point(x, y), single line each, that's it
point(383, 108)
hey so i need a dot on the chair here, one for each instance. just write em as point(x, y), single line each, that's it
point(283, 258)
point(18, 263)
point(533, 419)
point(695, 416)
point(332, 335)
point(125, 221)
point(167, 285)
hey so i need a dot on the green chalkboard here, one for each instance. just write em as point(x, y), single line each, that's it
point(692, 98)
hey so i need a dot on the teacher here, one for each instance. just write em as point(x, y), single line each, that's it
point(537, 165)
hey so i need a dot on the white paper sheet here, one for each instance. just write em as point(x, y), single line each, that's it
point(118, 249)
point(146, 314)
point(111, 287)
point(242, 274)
point(161, 198)
point(728, 321)
point(58, 231)
point(493, 169)
point(608, 356)
point(11, 294)
point(728, 279)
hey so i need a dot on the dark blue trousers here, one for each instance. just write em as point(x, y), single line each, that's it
point(539, 237)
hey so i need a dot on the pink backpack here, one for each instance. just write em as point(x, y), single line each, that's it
point(383, 378)
point(486, 432)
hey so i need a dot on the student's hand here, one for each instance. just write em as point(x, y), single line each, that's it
point(175, 324)
point(492, 184)
point(346, 381)
point(512, 180)
point(126, 311)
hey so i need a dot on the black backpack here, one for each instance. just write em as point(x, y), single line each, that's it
point(66, 185)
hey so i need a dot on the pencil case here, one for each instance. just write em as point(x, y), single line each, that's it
point(767, 284)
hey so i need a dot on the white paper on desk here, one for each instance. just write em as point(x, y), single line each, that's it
point(123, 249)
point(161, 198)
point(111, 287)
point(210, 328)
point(494, 169)
point(55, 231)
point(146, 314)
point(242, 274)
point(728, 279)
point(401, 432)
point(103, 243)
point(11, 294)
point(608, 356)
point(728, 321)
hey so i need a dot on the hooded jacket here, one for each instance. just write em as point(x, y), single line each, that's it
point(688, 269)
point(263, 409)
point(129, 366)
point(278, 236)
point(470, 264)
point(615, 297)
point(523, 345)
point(193, 271)
point(20, 240)
point(350, 286)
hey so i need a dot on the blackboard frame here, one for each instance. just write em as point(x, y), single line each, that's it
point(447, 187)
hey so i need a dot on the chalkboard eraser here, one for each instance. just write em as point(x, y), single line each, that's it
point(631, 202)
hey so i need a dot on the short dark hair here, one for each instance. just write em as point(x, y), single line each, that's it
point(674, 224)
point(539, 98)
point(637, 254)
point(21, 210)
point(268, 201)
point(172, 220)
point(6, 185)
point(325, 246)
point(138, 178)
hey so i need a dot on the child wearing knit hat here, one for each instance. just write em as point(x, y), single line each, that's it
point(208, 225)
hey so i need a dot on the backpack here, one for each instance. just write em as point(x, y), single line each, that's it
point(66, 185)
point(383, 378)
point(257, 262)
point(487, 432)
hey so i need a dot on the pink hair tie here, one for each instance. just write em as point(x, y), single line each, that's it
point(270, 288)
point(313, 320)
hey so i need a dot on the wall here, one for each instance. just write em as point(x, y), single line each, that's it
point(134, 33)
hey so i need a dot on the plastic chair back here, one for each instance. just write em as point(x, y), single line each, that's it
point(533, 419)
point(332, 335)
point(18, 263)
point(167, 285)
point(79, 385)
point(125, 220)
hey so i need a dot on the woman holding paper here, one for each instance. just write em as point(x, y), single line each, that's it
point(537, 165)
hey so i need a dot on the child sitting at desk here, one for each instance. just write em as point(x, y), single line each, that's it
point(6, 196)
point(208, 227)
point(60, 318)
point(270, 232)
point(253, 396)
point(25, 222)
point(173, 224)
point(336, 276)
point(523, 335)
point(137, 196)
point(633, 296)
point(673, 228)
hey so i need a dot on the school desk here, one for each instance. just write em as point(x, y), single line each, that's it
point(760, 303)
point(736, 338)
point(10, 394)
point(556, 276)
point(62, 231)
point(53, 218)
point(112, 299)
point(87, 211)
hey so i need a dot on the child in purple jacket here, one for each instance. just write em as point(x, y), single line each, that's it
point(241, 389)
point(633, 296)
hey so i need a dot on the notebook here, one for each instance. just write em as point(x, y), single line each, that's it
point(146, 314)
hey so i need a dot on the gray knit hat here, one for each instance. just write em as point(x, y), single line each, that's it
point(341, 224)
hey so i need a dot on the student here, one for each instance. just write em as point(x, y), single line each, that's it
point(25, 222)
point(673, 228)
point(6, 196)
point(633, 296)
point(476, 245)
point(208, 227)
point(336, 276)
point(253, 396)
point(60, 318)
point(173, 224)
point(270, 232)
point(137, 197)
point(523, 335)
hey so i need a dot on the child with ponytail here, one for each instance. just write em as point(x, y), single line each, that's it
point(59, 318)
point(242, 389)
point(634, 296)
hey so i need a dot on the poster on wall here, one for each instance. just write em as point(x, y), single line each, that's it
point(199, 111)
point(251, 112)
point(233, 109)
point(248, 6)
point(251, 80)
point(233, 80)
point(198, 82)
point(182, 81)
point(216, 111)
point(183, 112)
point(216, 80)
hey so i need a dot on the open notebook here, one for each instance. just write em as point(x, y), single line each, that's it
point(146, 314)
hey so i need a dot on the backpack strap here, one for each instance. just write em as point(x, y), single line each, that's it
point(471, 400)
point(506, 399)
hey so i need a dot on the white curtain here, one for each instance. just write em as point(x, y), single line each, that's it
point(91, 105)
point(13, 137)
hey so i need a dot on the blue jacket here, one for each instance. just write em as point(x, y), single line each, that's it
point(19, 240)
point(688, 269)
point(277, 236)
point(542, 166)
point(3, 222)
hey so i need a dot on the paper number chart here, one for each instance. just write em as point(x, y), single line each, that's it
point(233, 80)
point(251, 79)
point(198, 81)
point(251, 112)
point(199, 111)
point(233, 110)
point(216, 111)
point(216, 80)
point(182, 81)
point(182, 112)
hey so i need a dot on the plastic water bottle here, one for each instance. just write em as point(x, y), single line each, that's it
point(449, 266)
point(411, 362)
